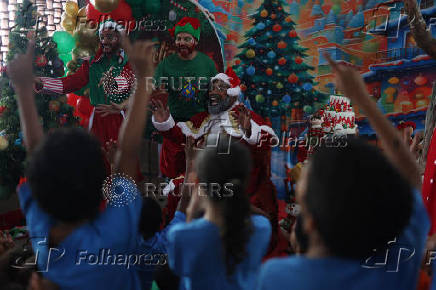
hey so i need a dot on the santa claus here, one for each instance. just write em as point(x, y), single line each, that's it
point(227, 117)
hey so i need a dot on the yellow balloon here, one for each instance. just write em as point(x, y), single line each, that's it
point(68, 22)
point(71, 8)
point(82, 12)
point(105, 6)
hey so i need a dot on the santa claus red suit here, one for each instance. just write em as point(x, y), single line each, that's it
point(261, 191)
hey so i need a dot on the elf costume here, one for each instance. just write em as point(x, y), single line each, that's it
point(88, 77)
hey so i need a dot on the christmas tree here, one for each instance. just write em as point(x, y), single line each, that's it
point(53, 111)
point(274, 78)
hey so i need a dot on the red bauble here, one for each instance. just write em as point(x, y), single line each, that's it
point(273, 16)
point(293, 79)
point(243, 87)
point(292, 33)
point(238, 62)
point(282, 61)
point(2, 109)
point(277, 27)
point(298, 60)
point(41, 60)
point(282, 44)
point(268, 71)
point(84, 107)
point(253, 86)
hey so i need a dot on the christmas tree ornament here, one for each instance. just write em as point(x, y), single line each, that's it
point(237, 62)
point(172, 16)
point(292, 33)
point(275, 103)
point(268, 71)
point(298, 60)
point(2, 109)
point(41, 60)
point(293, 78)
point(264, 13)
point(286, 99)
point(307, 86)
point(307, 109)
point(243, 87)
point(277, 28)
point(273, 16)
point(279, 85)
point(282, 61)
point(282, 44)
point(251, 41)
point(105, 6)
point(260, 26)
point(288, 19)
point(271, 54)
point(259, 98)
point(250, 53)
point(269, 92)
point(251, 70)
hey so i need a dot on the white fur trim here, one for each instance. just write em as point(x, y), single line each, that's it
point(256, 133)
point(111, 24)
point(169, 188)
point(234, 92)
point(223, 77)
point(164, 126)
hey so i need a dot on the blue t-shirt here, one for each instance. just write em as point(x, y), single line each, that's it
point(196, 254)
point(97, 254)
point(395, 269)
point(155, 250)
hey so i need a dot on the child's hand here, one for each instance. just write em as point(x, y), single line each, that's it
point(140, 56)
point(20, 70)
point(349, 81)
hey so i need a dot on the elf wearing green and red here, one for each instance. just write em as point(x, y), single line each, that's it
point(109, 78)
point(185, 75)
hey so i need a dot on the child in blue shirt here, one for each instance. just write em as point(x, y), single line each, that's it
point(76, 246)
point(223, 249)
point(354, 199)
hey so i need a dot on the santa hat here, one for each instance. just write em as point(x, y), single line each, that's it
point(231, 79)
point(189, 25)
point(110, 24)
point(403, 125)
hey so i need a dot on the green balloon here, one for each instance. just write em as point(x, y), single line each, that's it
point(65, 57)
point(65, 41)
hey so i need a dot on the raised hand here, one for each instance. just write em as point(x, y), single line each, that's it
point(349, 81)
point(140, 56)
point(243, 117)
point(160, 113)
point(20, 70)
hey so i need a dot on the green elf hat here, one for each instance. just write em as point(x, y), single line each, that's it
point(189, 25)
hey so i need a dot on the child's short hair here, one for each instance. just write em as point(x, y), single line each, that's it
point(358, 199)
point(66, 174)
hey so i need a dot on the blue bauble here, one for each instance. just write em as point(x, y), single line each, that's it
point(271, 54)
point(286, 99)
point(260, 25)
point(251, 41)
point(251, 70)
point(307, 86)
point(269, 92)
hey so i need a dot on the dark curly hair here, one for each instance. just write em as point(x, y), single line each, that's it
point(358, 200)
point(229, 173)
point(66, 174)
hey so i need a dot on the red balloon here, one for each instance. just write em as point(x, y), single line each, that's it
point(72, 99)
point(84, 107)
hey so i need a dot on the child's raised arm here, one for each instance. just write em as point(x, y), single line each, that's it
point(20, 72)
point(140, 56)
point(351, 83)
